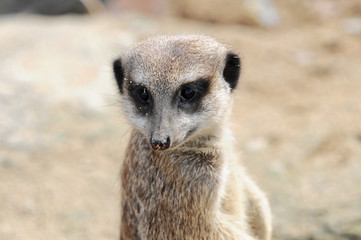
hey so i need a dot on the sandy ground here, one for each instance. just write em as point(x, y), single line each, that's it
point(296, 119)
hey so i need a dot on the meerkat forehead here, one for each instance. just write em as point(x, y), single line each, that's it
point(174, 60)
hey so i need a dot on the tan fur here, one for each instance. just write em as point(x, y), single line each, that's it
point(196, 189)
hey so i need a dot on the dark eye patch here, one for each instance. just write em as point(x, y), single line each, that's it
point(189, 95)
point(141, 97)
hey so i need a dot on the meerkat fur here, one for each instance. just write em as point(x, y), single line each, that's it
point(181, 178)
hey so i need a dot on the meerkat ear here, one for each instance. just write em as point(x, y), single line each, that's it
point(232, 69)
point(118, 73)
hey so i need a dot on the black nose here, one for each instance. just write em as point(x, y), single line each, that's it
point(160, 145)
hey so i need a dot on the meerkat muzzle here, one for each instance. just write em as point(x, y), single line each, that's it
point(160, 145)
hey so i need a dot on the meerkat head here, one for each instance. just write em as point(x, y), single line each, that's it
point(176, 87)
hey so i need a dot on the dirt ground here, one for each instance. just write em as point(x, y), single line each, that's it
point(296, 119)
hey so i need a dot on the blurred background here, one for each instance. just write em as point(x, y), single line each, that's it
point(296, 117)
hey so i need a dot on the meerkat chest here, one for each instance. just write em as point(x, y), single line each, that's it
point(171, 194)
point(189, 177)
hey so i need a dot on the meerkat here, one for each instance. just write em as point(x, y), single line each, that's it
point(180, 178)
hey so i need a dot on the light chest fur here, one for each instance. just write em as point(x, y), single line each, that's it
point(177, 194)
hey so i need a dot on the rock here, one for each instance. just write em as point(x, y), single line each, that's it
point(256, 145)
point(253, 12)
point(352, 26)
point(47, 7)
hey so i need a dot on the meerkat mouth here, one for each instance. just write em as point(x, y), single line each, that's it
point(159, 148)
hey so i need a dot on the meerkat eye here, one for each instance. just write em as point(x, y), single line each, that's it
point(187, 94)
point(143, 95)
point(190, 95)
point(140, 95)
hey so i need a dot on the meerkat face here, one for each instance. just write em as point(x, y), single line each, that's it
point(175, 87)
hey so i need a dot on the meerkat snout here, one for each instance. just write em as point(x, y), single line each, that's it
point(160, 145)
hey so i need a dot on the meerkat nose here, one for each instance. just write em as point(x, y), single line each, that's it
point(160, 145)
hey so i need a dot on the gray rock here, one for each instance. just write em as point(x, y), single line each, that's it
point(47, 7)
